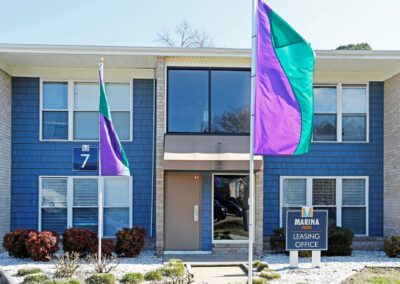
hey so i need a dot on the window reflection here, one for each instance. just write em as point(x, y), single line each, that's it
point(231, 193)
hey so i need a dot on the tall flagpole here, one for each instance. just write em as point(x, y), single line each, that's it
point(251, 165)
point(100, 192)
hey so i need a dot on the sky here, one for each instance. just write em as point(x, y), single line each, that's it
point(325, 23)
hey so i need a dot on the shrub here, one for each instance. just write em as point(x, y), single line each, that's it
point(130, 241)
point(270, 275)
point(101, 279)
point(155, 275)
point(132, 278)
point(28, 271)
point(278, 239)
point(259, 281)
point(107, 247)
point(14, 243)
point(41, 246)
point(260, 265)
point(173, 271)
point(339, 241)
point(79, 240)
point(35, 278)
point(305, 253)
point(62, 281)
point(66, 265)
point(392, 246)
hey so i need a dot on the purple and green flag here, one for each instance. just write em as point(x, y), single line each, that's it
point(113, 160)
point(283, 109)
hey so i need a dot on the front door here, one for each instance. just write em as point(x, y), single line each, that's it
point(182, 211)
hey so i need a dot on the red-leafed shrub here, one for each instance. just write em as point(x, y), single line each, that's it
point(78, 240)
point(14, 243)
point(130, 241)
point(41, 246)
point(107, 247)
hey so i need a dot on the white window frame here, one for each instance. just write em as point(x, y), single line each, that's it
point(212, 211)
point(338, 206)
point(70, 198)
point(339, 113)
point(71, 108)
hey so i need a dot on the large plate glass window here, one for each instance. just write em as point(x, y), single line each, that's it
point(208, 100)
point(354, 113)
point(86, 105)
point(231, 193)
point(325, 113)
point(54, 204)
point(294, 195)
point(324, 197)
point(55, 111)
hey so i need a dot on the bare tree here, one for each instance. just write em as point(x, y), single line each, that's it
point(184, 36)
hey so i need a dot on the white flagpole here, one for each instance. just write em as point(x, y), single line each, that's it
point(251, 165)
point(100, 191)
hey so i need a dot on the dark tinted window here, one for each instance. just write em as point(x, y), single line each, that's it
point(188, 101)
point(230, 101)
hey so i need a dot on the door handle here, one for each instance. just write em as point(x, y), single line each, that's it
point(196, 213)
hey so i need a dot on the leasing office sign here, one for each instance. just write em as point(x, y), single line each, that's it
point(306, 229)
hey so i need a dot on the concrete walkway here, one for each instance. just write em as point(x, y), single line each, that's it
point(209, 259)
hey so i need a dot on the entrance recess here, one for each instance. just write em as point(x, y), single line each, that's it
point(182, 211)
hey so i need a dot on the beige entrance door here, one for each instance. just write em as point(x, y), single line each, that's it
point(182, 211)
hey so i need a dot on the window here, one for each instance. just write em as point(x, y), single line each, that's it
point(59, 212)
point(340, 113)
point(345, 198)
point(55, 111)
point(208, 100)
point(80, 106)
point(230, 213)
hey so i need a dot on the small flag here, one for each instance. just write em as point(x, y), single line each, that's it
point(283, 108)
point(113, 161)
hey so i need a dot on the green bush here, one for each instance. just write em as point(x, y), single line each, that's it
point(101, 278)
point(62, 281)
point(28, 271)
point(35, 278)
point(270, 275)
point(339, 241)
point(260, 265)
point(260, 281)
point(392, 246)
point(278, 239)
point(305, 253)
point(132, 278)
point(173, 271)
point(155, 275)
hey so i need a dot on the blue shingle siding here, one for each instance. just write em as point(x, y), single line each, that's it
point(206, 201)
point(32, 158)
point(335, 159)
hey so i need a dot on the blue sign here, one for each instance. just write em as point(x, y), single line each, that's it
point(85, 159)
point(307, 230)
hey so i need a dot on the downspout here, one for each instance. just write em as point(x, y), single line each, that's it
point(153, 156)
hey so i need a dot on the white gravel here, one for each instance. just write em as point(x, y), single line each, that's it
point(147, 261)
point(332, 270)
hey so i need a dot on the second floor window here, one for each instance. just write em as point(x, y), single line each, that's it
point(73, 115)
point(340, 113)
point(208, 101)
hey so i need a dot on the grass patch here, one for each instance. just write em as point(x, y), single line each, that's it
point(259, 281)
point(101, 278)
point(132, 278)
point(155, 275)
point(35, 278)
point(260, 265)
point(28, 271)
point(270, 275)
point(375, 275)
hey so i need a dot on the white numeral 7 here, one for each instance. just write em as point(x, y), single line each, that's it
point(87, 156)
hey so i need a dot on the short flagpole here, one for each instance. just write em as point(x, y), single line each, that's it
point(251, 163)
point(100, 191)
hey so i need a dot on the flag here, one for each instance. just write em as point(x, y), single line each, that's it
point(113, 161)
point(283, 106)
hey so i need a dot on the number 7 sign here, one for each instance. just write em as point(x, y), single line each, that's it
point(85, 159)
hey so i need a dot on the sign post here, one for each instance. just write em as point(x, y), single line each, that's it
point(306, 230)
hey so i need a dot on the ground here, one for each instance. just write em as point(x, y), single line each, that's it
point(375, 275)
point(332, 270)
